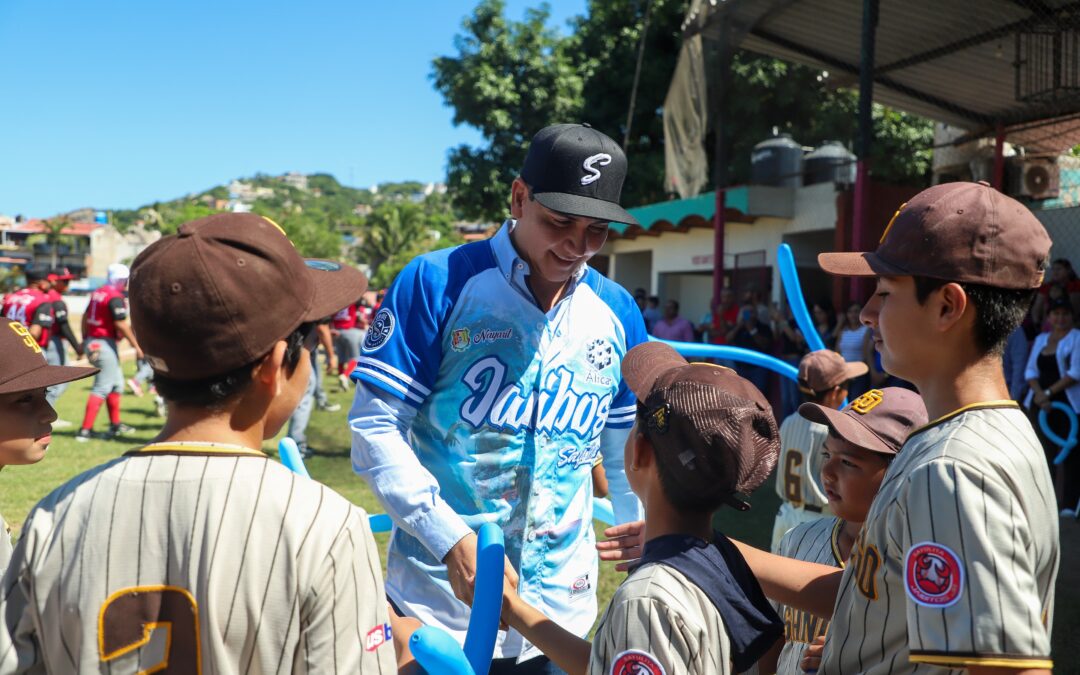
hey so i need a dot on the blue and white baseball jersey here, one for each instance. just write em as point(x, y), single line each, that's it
point(511, 402)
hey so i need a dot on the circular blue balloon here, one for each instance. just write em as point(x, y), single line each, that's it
point(1067, 444)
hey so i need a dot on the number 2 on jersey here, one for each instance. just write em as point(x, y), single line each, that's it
point(793, 461)
point(129, 616)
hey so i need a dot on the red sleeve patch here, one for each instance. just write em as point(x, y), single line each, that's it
point(634, 662)
point(933, 575)
point(377, 636)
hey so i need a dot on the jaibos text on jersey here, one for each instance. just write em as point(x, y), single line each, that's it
point(511, 402)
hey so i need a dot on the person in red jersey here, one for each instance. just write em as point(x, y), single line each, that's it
point(56, 351)
point(104, 324)
point(32, 307)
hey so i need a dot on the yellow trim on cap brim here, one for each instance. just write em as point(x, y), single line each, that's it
point(989, 661)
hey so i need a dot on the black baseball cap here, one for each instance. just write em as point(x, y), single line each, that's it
point(575, 169)
point(712, 429)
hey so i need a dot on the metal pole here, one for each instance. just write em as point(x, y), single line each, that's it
point(720, 154)
point(637, 78)
point(859, 240)
point(999, 158)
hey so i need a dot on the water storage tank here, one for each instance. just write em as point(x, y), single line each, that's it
point(777, 161)
point(830, 163)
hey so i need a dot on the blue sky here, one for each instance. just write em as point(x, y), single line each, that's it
point(118, 103)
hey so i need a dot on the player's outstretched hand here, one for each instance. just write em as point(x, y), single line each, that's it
point(461, 569)
point(623, 544)
point(812, 659)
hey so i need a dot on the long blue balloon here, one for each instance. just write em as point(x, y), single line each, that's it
point(1067, 444)
point(729, 353)
point(785, 260)
point(439, 653)
point(487, 598)
point(290, 456)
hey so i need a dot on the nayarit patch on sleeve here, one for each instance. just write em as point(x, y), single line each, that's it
point(635, 662)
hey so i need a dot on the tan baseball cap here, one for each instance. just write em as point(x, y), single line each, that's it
point(957, 232)
point(22, 362)
point(824, 369)
point(880, 420)
point(220, 292)
point(714, 429)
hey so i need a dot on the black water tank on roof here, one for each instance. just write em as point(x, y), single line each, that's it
point(777, 161)
point(830, 163)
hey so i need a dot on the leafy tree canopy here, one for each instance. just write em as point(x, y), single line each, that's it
point(509, 79)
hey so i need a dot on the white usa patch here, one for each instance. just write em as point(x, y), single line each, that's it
point(382, 327)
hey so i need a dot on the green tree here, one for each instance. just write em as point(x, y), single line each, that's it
point(508, 80)
point(588, 76)
point(54, 235)
point(397, 232)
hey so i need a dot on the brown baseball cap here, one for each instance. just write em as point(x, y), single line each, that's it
point(22, 362)
point(713, 429)
point(220, 292)
point(824, 369)
point(965, 232)
point(880, 420)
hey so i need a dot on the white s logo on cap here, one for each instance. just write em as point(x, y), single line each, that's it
point(603, 159)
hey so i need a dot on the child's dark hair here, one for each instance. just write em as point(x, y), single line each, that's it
point(216, 391)
point(998, 311)
point(678, 495)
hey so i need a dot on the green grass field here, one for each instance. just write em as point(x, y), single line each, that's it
point(328, 436)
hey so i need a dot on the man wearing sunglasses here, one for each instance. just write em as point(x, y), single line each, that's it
point(489, 383)
point(197, 551)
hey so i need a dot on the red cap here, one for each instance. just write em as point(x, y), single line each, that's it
point(219, 293)
point(966, 232)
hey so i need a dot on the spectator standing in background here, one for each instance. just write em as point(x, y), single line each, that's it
point(1061, 274)
point(652, 313)
point(749, 332)
point(1053, 375)
point(723, 315)
point(792, 349)
point(825, 322)
point(1014, 361)
point(855, 343)
point(672, 326)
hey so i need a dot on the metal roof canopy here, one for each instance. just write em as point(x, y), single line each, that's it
point(950, 60)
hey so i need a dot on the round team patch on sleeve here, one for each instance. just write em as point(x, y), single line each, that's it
point(382, 327)
point(635, 662)
point(933, 575)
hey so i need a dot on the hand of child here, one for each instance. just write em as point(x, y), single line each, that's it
point(812, 659)
point(623, 544)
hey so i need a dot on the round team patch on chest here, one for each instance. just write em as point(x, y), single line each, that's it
point(382, 327)
point(933, 575)
point(634, 662)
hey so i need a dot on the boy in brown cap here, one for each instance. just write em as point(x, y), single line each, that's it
point(861, 442)
point(197, 552)
point(823, 379)
point(704, 437)
point(956, 562)
point(26, 416)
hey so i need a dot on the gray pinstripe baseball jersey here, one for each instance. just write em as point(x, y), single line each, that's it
point(658, 623)
point(956, 562)
point(5, 545)
point(816, 542)
point(798, 471)
point(195, 558)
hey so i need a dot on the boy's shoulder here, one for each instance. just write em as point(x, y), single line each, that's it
point(813, 541)
point(984, 436)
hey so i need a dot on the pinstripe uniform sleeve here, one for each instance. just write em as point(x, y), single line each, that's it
point(646, 630)
point(345, 624)
point(20, 651)
point(972, 587)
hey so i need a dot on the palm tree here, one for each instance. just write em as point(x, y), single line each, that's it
point(54, 233)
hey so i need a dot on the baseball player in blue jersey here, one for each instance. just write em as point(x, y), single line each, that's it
point(489, 382)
